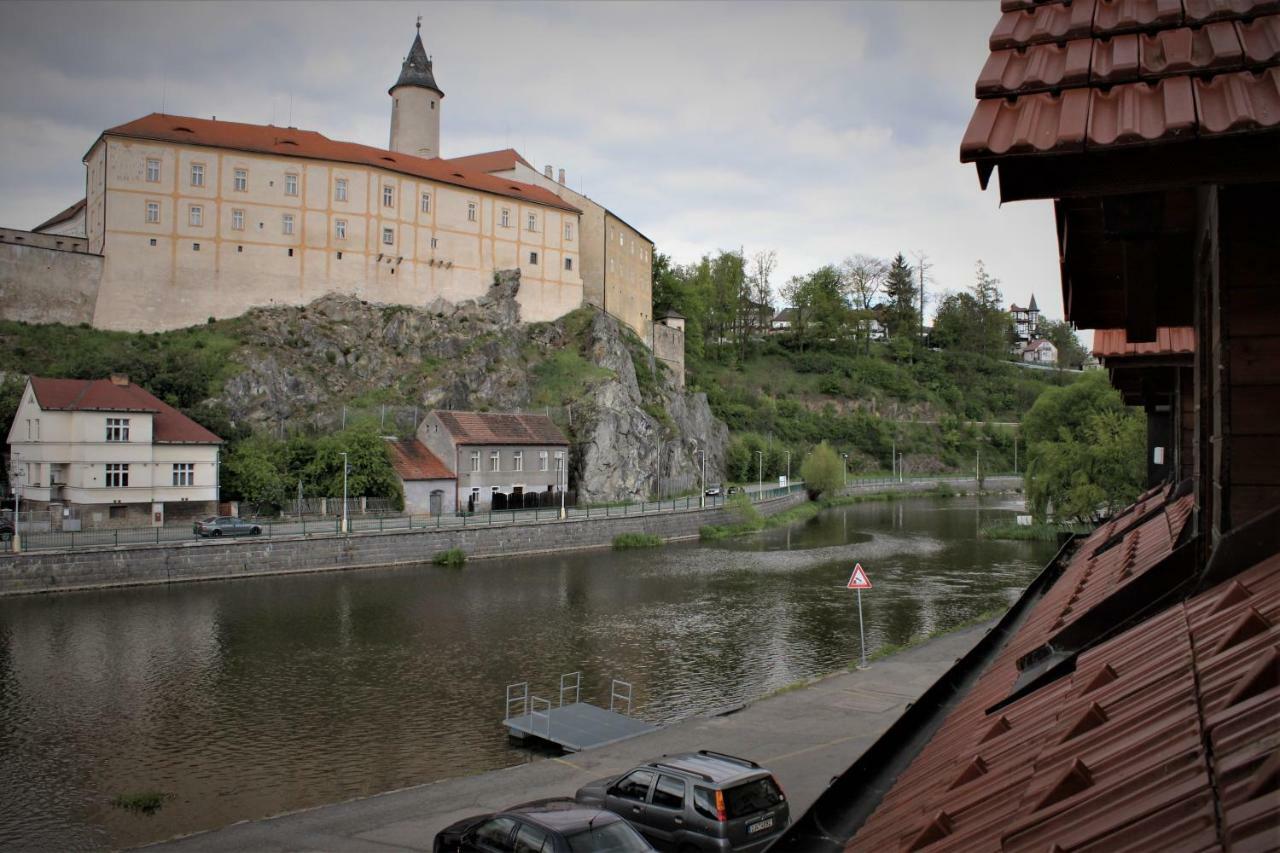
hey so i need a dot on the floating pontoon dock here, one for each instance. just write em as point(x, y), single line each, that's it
point(574, 726)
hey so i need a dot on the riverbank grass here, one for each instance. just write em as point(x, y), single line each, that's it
point(751, 521)
point(453, 558)
point(141, 802)
point(627, 541)
point(1028, 532)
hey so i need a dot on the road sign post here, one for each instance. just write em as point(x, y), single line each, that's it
point(859, 581)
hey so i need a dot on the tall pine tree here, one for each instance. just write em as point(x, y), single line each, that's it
point(900, 315)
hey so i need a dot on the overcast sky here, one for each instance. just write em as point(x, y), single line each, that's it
point(818, 131)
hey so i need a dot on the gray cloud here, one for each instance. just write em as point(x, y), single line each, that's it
point(819, 130)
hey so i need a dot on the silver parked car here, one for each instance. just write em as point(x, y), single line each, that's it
point(225, 525)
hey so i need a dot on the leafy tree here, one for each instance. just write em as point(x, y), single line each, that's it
point(1086, 451)
point(863, 276)
point(370, 473)
point(255, 471)
point(822, 470)
point(1061, 335)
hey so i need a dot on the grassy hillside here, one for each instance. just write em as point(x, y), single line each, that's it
point(939, 408)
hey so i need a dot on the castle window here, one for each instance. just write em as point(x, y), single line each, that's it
point(388, 236)
point(286, 223)
point(568, 230)
point(291, 253)
point(506, 218)
point(426, 202)
point(153, 212)
point(434, 243)
point(471, 211)
point(340, 189)
point(533, 257)
point(240, 182)
point(237, 220)
point(340, 229)
point(388, 196)
point(153, 241)
point(195, 216)
point(197, 174)
point(290, 184)
point(339, 256)
point(568, 263)
point(195, 247)
point(533, 222)
point(153, 171)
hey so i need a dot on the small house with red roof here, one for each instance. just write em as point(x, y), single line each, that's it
point(427, 482)
point(112, 450)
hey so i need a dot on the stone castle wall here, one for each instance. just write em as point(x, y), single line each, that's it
point(47, 278)
point(668, 347)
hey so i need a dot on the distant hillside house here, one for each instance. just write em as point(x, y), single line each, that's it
point(1040, 351)
point(110, 452)
point(1026, 321)
point(492, 455)
point(782, 321)
point(429, 485)
point(190, 218)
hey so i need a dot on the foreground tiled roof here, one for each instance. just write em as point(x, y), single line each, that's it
point(169, 426)
point(490, 428)
point(1069, 76)
point(413, 461)
point(291, 142)
point(63, 216)
point(1170, 340)
point(1161, 737)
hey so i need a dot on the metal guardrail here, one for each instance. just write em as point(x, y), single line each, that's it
point(115, 537)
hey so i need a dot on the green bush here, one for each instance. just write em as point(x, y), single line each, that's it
point(626, 541)
point(822, 470)
point(453, 558)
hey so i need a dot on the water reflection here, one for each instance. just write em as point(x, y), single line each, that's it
point(243, 699)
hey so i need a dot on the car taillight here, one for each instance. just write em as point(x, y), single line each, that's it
point(782, 795)
point(721, 814)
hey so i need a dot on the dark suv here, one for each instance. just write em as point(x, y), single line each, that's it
point(696, 801)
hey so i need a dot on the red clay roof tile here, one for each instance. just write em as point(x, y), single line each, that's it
point(1035, 69)
point(1260, 39)
point(1185, 50)
point(412, 460)
point(1237, 103)
point(1126, 16)
point(1170, 340)
point(1032, 123)
point(1115, 60)
point(169, 426)
point(1204, 11)
point(1045, 23)
point(1142, 113)
point(291, 142)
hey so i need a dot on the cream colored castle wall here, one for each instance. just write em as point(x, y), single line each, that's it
point(668, 347)
point(617, 274)
point(172, 284)
point(46, 285)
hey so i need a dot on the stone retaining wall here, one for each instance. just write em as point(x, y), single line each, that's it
point(53, 571)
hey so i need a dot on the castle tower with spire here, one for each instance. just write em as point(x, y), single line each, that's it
point(415, 104)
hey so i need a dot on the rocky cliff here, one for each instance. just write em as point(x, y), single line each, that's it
point(628, 422)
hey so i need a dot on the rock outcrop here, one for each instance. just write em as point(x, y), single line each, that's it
point(633, 430)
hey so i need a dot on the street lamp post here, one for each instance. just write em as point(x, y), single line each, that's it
point(759, 473)
point(16, 474)
point(845, 457)
point(702, 496)
point(562, 462)
point(345, 467)
point(788, 452)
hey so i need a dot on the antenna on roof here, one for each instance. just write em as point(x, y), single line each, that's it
point(419, 23)
point(290, 122)
point(164, 82)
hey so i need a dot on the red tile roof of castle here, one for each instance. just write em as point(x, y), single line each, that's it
point(493, 428)
point(169, 426)
point(491, 161)
point(414, 461)
point(1098, 74)
point(292, 142)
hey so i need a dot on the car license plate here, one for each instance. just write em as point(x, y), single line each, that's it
point(760, 826)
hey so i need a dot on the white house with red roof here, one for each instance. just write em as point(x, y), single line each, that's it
point(111, 450)
point(429, 485)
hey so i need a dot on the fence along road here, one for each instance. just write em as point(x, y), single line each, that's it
point(70, 540)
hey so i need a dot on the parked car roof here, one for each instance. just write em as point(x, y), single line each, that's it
point(716, 768)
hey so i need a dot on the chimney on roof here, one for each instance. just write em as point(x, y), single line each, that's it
point(547, 170)
point(562, 176)
point(119, 379)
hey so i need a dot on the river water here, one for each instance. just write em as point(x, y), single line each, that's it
point(241, 699)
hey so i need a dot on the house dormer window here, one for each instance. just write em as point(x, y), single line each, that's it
point(117, 429)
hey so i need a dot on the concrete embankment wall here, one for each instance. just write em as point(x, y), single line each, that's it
point(48, 571)
point(961, 485)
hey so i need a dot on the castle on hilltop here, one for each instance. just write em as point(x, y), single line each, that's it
point(185, 219)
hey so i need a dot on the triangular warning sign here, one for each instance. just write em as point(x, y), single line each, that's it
point(859, 579)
